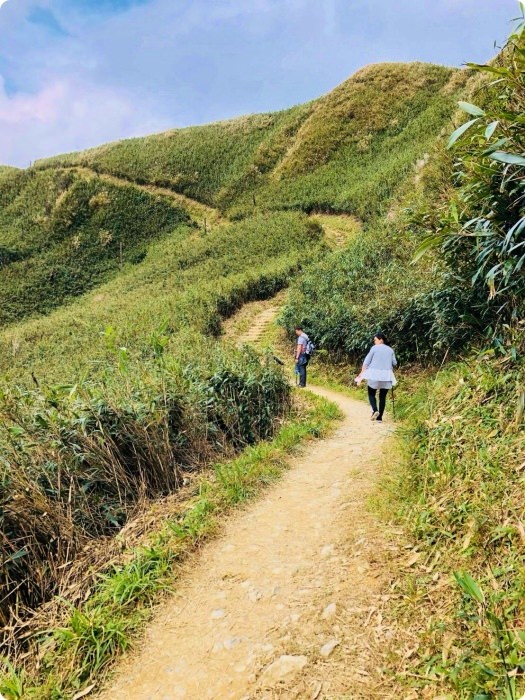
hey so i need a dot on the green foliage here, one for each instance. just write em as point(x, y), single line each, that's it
point(347, 151)
point(134, 390)
point(157, 397)
point(460, 490)
point(187, 280)
point(482, 231)
point(199, 161)
point(370, 286)
point(363, 139)
point(62, 234)
point(76, 460)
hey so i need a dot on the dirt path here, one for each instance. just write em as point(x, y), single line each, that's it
point(259, 325)
point(286, 604)
point(198, 211)
point(339, 229)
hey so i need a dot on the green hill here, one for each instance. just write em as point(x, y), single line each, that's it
point(346, 151)
point(62, 233)
point(73, 222)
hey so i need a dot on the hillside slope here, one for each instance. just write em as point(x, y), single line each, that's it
point(75, 221)
point(62, 233)
point(372, 128)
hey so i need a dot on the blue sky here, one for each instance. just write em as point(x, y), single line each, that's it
point(77, 73)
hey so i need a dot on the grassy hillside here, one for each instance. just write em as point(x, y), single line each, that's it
point(133, 391)
point(198, 161)
point(346, 151)
point(458, 488)
point(187, 280)
point(62, 233)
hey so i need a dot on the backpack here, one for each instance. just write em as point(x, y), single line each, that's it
point(310, 347)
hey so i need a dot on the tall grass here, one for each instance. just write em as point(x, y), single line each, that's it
point(460, 493)
point(199, 161)
point(76, 654)
point(77, 461)
point(347, 151)
point(187, 280)
point(132, 393)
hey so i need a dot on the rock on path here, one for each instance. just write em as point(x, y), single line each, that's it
point(280, 605)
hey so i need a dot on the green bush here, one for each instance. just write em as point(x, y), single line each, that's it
point(371, 286)
point(77, 460)
point(481, 231)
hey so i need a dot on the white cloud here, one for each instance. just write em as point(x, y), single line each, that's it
point(66, 116)
point(104, 75)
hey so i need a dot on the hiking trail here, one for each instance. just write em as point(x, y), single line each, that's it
point(286, 602)
point(196, 209)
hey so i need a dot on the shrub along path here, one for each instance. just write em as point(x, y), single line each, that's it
point(285, 604)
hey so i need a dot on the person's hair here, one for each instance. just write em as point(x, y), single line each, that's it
point(381, 336)
point(298, 328)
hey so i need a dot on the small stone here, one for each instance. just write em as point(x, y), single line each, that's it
point(284, 668)
point(232, 642)
point(254, 595)
point(329, 611)
point(267, 648)
point(328, 648)
point(327, 551)
point(217, 614)
point(217, 647)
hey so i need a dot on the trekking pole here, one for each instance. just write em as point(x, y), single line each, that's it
point(393, 404)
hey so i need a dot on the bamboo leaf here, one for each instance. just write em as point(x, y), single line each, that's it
point(426, 245)
point(496, 146)
point(510, 158)
point(460, 131)
point(469, 586)
point(491, 128)
point(471, 109)
point(488, 69)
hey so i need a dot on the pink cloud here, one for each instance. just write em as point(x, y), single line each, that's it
point(66, 116)
point(42, 107)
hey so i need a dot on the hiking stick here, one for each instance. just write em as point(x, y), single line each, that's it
point(393, 404)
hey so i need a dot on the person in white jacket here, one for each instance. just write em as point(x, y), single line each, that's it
point(378, 372)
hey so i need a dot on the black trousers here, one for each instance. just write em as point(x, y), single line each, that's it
point(382, 400)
